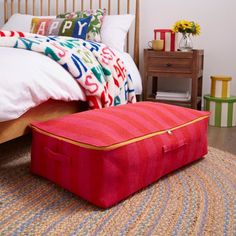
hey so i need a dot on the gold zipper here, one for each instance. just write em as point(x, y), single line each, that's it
point(117, 145)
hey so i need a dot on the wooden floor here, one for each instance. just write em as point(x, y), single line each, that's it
point(222, 138)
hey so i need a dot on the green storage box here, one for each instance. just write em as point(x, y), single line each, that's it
point(223, 111)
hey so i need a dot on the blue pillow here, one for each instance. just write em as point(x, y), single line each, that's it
point(81, 27)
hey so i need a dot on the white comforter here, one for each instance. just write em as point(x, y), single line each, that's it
point(28, 79)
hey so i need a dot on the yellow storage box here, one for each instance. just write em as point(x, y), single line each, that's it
point(220, 86)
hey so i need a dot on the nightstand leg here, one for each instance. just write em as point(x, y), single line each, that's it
point(194, 93)
point(199, 93)
point(154, 85)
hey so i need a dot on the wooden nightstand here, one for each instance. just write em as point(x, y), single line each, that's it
point(176, 65)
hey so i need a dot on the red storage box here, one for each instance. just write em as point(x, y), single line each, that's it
point(169, 37)
point(106, 155)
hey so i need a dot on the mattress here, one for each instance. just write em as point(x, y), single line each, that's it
point(106, 155)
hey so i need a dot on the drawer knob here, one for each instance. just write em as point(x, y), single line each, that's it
point(168, 65)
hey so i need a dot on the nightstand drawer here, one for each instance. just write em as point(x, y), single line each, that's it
point(170, 65)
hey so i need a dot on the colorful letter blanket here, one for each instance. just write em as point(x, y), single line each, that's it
point(101, 74)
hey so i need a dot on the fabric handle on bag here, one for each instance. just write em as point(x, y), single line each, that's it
point(174, 146)
point(57, 156)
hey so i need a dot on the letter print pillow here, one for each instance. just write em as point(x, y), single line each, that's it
point(94, 31)
point(76, 28)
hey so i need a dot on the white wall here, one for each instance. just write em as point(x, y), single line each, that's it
point(217, 19)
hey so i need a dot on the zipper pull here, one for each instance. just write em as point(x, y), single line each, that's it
point(169, 132)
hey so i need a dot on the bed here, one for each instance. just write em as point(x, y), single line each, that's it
point(53, 107)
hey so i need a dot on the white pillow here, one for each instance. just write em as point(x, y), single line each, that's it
point(114, 30)
point(21, 22)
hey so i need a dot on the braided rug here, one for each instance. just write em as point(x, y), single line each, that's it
point(199, 199)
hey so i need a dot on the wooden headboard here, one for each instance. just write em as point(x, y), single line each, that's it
point(54, 7)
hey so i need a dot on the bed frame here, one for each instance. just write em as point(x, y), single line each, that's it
point(53, 109)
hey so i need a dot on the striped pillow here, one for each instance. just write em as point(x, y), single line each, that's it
point(76, 28)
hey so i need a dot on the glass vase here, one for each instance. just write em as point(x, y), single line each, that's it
point(186, 43)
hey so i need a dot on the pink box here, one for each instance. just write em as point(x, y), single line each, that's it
point(169, 37)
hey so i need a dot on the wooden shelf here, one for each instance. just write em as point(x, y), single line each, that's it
point(175, 102)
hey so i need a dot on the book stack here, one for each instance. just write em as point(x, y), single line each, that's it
point(174, 96)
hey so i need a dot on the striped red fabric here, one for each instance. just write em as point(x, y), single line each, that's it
point(106, 176)
point(118, 124)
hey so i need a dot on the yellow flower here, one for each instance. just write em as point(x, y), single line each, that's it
point(184, 26)
point(198, 29)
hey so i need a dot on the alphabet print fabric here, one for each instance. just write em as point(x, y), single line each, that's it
point(99, 71)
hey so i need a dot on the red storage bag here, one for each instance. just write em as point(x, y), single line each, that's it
point(106, 155)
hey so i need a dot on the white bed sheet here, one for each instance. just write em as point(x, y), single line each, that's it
point(28, 79)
